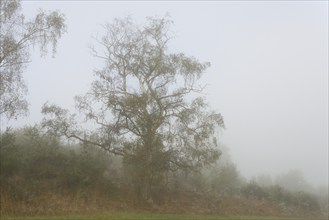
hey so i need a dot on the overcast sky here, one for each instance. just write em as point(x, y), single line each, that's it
point(268, 78)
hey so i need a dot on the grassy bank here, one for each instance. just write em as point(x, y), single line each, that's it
point(187, 207)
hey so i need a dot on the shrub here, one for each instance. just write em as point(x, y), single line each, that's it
point(253, 190)
point(33, 163)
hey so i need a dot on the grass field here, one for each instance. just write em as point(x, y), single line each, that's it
point(143, 216)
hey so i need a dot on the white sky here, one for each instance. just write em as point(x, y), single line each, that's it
point(269, 73)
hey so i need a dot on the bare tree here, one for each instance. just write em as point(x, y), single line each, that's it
point(140, 108)
point(16, 38)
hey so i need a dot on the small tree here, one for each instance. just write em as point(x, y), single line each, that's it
point(139, 105)
point(16, 38)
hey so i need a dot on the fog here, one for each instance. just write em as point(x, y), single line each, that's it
point(268, 78)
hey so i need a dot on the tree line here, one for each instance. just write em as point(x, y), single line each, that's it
point(35, 164)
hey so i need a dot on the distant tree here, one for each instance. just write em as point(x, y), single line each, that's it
point(139, 105)
point(263, 180)
point(16, 38)
point(293, 180)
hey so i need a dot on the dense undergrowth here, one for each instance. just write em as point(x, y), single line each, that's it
point(40, 175)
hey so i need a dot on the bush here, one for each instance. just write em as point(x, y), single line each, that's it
point(307, 201)
point(225, 179)
point(33, 163)
point(253, 190)
point(279, 195)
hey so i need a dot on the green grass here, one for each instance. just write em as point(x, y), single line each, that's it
point(146, 216)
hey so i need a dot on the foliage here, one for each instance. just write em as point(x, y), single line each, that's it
point(17, 36)
point(277, 194)
point(37, 166)
point(139, 104)
point(225, 179)
point(33, 163)
point(253, 190)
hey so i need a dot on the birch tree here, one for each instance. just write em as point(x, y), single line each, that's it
point(142, 105)
point(17, 36)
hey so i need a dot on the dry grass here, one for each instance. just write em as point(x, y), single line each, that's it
point(57, 204)
point(51, 204)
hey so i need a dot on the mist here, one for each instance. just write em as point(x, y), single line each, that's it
point(268, 74)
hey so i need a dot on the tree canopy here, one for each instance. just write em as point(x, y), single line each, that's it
point(143, 106)
point(16, 38)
